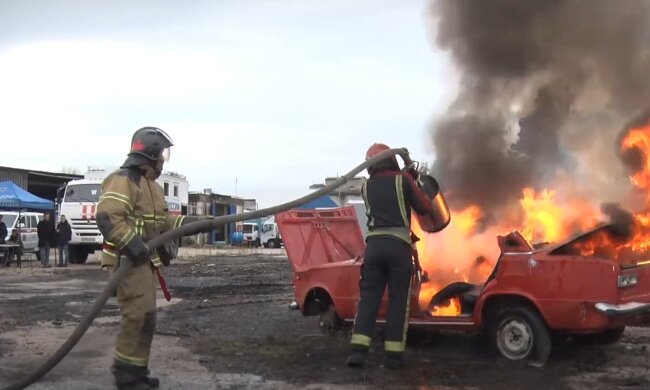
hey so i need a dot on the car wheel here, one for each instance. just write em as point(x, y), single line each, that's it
point(272, 244)
point(329, 321)
point(518, 333)
point(610, 336)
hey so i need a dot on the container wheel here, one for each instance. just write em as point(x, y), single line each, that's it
point(518, 333)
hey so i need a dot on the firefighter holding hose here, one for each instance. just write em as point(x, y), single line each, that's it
point(389, 194)
point(131, 211)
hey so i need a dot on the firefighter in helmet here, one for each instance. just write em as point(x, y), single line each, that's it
point(131, 211)
point(389, 195)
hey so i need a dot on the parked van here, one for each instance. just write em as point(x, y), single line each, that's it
point(27, 222)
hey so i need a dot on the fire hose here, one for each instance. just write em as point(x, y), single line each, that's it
point(185, 230)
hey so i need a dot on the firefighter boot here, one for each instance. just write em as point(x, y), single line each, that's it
point(128, 377)
point(151, 381)
point(358, 357)
point(394, 360)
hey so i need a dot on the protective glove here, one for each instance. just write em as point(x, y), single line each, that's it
point(413, 172)
point(409, 166)
point(137, 250)
point(167, 252)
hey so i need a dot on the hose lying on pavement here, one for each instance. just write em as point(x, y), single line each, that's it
point(185, 230)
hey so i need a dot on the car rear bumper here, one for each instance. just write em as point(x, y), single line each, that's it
point(630, 308)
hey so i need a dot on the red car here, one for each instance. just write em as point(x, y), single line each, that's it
point(530, 295)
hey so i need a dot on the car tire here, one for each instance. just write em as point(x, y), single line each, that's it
point(610, 336)
point(518, 333)
point(329, 321)
point(272, 244)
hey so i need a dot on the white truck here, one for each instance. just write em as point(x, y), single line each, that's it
point(251, 233)
point(78, 202)
point(270, 235)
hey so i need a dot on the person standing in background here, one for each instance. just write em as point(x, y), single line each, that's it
point(64, 235)
point(46, 237)
point(3, 231)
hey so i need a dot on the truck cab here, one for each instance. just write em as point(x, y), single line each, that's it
point(270, 235)
point(251, 231)
point(78, 202)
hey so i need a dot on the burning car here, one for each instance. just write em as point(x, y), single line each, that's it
point(527, 295)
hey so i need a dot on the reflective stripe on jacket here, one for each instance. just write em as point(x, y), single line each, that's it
point(389, 196)
point(131, 205)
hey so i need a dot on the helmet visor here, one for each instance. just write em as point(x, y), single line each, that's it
point(166, 153)
point(166, 136)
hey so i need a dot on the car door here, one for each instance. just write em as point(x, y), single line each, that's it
point(28, 232)
point(22, 225)
point(33, 231)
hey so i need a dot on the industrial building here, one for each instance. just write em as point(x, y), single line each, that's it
point(40, 183)
point(207, 203)
point(348, 193)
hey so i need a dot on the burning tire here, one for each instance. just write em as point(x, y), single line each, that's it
point(518, 333)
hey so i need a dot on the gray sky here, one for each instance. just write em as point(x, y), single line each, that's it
point(278, 94)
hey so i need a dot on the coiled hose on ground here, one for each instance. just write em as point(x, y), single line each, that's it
point(185, 230)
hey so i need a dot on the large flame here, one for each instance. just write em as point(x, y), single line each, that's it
point(639, 139)
point(466, 252)
point(629, 241)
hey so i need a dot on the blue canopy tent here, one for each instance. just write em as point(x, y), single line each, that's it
point(323, 202)
point(12, 197)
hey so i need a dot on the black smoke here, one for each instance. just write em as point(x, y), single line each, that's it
point(622, 221)
point(543, 85)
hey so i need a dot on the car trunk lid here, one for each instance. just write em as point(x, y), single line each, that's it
point(316, 238)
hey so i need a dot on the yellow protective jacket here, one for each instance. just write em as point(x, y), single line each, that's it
point(131, 205)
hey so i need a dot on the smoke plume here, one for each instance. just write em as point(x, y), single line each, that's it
point(545, 88)
point(622, 221)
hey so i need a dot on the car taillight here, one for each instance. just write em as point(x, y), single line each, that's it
point(627, 280)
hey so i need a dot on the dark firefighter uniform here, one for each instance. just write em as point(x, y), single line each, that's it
point(131, 211)
point(389, 196)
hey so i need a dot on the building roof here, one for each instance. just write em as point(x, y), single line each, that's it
point(319, 203)
point(60, 175)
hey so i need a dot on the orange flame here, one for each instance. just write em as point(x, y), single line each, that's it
point(465, 252)
point(451, 309)
point(637, 243)
point(543, 216)
point(639, 138)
